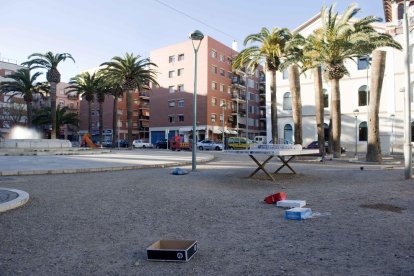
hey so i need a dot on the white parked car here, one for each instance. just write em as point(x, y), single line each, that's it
point(209, 145)
point(141, 144)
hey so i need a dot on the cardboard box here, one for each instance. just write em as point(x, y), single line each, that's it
point(272, 199)
point(288, 203)
point(172, 250)
point(298, 213)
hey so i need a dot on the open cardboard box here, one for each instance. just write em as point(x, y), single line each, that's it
point(172, 250)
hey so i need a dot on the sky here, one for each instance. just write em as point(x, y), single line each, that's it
point(94, 31)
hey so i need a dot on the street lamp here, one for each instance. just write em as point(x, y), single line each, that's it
point(407, 99)
point(356, 112)
point(223, 105)
point(195, 36)
point(392, 133)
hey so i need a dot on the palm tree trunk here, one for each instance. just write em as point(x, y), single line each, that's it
point(336, 118)
point(377, 77)
point(294, 82)
point(53, 109)
point(101, 122)
point(114, 122)
point(90, 118)
point(29, 113)
point(129, 116)
point(319, 109)
point(273, 107)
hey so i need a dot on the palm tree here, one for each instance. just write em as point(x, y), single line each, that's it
point(132, 73)
point(24, 84)
point(339, 39)
point(63, 117)
point(86, 86)
point(319, 109)
point(270, 51)
point(102, 90)
point(294, 83)
point(50, 62)
point(377, 77)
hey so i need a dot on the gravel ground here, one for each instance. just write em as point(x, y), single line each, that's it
point(101, 223)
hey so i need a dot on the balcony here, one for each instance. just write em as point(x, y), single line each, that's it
point(144, 105)
point(238, 81)
point(144, 95)
point(144, 118)
point(235, 96)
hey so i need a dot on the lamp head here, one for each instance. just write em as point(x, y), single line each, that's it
point(196, 35)
point(356, 112)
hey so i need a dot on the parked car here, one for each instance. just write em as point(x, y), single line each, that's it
point(161, 144)
point(239, 143)
point(315, 145)
point(141, 144)
point(209, 145)
point(122, 143)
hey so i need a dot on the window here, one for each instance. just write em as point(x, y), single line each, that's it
point(221, 58)
point(223, 104)
point(214, 53)
point(325, 98)
point(363, 131)
point(171, 74)
point(213, 118)
point(222, 72)
point(214, 69)
point(287, 134)
point(230, 75)
point(400, 11)
point(221, 118)
point(213, 101)
point(171, 89)
point(287, 101)
point(171, 103)
point(181, 103)
point(221, 87)
point(363, 95)
point(180, 57)
point(214, 85)
point(180, 72)
point(7, 72)
point(181, 118)
point(229, 90)
point(171, 118)
point(363, 63)
point(285, 74)
point(180, 88)
point(171, 59)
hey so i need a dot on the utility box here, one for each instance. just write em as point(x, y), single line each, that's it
point(172, 250)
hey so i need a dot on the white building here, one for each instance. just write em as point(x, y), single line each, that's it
point(353, 94)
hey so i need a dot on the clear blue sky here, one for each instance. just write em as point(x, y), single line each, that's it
point(94, 31)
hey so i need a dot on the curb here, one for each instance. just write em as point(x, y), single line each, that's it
point(21, 199)
point(105, 169)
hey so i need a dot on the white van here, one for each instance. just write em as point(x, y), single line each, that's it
point(260, 139)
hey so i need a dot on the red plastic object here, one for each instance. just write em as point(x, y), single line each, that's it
point(272, 199)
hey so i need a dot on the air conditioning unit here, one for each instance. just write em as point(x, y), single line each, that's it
point(213, 120)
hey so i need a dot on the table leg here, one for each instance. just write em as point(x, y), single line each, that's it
point(285, 163)
point(261, 166)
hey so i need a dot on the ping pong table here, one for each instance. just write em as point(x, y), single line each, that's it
point(284, 152)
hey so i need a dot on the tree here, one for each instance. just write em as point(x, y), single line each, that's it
point(339, 39)
point(270, 51)
point(24, 84)
point(319, 109)
point(86, 86)
point(294, 83)
point(63, 117)
point(377, 77)
point(102, 90)
point(132, 73)
point(50, 62)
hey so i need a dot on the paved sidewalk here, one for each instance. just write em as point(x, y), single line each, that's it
point(114, 161)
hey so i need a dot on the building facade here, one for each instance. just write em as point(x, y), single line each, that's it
point(226, 102)
point(354, 94)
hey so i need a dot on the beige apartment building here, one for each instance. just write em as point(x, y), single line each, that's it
point(224, 98)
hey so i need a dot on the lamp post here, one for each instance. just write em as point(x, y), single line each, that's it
point(195, 36)
point(392, 133)
point(223, 105)
point(356, 112)
point(407, 99)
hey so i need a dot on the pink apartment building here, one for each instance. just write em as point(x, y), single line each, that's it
point(239, 97)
